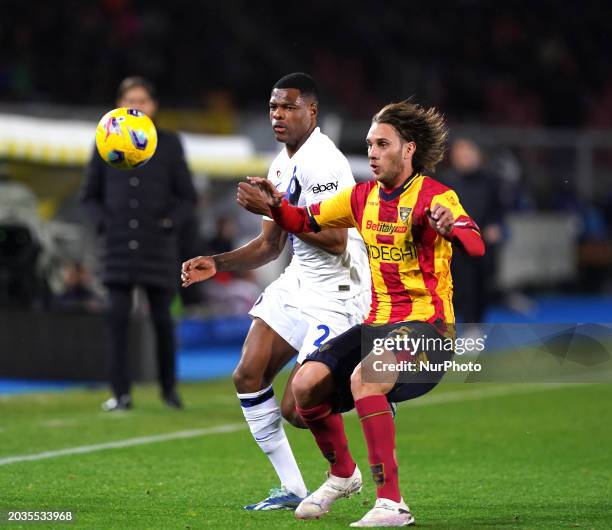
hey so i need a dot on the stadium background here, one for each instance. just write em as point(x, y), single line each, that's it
point(528, 82)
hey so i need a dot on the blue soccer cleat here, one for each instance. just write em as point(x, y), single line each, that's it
point(279, 499)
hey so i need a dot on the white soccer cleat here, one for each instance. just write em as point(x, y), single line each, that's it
point(334, 488)
point(386, 513)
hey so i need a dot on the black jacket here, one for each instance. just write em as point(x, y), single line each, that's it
point(139, 213)
point(479, 193)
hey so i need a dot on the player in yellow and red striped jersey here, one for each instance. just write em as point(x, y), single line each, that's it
point(409, 260)
point(410, 223)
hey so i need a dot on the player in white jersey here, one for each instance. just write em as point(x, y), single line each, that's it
point(322, 293)
point(328, 283)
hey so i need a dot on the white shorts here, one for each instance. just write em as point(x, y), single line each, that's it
point(329, 317)
point(277, 306)
point(305, 318)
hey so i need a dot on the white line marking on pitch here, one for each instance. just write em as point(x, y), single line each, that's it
point(435, 399)
point(129, 442)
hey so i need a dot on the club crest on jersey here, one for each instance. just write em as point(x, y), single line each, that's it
point(404, 213)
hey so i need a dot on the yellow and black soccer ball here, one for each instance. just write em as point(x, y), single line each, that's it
point(126, 138)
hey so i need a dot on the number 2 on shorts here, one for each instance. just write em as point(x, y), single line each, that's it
point(321, 327)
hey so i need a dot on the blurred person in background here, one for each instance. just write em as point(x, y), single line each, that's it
point(229, 292)
point(474, 277)
point(140, 213)
point(79, 293)
point(223, 239)
point(30, 262)
point(592, 233)
point(189, 242)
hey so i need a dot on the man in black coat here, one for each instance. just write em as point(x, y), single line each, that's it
point(139, 213)
point(474, 278)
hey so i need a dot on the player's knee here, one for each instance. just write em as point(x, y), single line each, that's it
point(245, 381)
point(356, 382)
point(301, 388)
point(304, 387)
point(361, 388)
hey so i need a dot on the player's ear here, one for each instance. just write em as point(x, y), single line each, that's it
point(409, 149)
point(314, 109)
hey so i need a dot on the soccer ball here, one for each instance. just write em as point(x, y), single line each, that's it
point(126, 138)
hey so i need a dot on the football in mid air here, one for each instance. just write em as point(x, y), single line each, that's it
point(126, 138)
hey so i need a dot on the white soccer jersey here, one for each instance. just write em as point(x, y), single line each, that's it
point(318, 171)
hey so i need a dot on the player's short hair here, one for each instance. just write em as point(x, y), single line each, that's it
point(303, 82)
point(423, 126)
point(136, 81)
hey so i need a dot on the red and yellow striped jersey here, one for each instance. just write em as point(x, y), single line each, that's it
point(409, 260)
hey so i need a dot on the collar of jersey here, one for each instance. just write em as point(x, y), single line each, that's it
point(315, 132)
point(389, 196)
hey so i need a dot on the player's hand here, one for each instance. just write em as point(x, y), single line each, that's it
point(197, 269)
point(252, 198)
point(273, 197)
point(441, 219)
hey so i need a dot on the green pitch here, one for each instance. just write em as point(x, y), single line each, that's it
point(471, 456)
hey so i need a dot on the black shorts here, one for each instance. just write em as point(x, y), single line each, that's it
point(344, 352)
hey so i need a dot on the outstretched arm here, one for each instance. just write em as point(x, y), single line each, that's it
point(266, 247)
